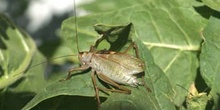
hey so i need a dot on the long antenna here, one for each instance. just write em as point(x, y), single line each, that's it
point(74, 11)
point(51, 59)
point(37, 64)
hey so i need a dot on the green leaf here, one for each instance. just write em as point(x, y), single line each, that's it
point(16, 52)
point(34, 79)
point(116, 36)
point(100, 6)
point(214, 4)
point(78, 85)
point(209, 58)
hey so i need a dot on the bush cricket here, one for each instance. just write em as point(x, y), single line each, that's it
point(112, 67)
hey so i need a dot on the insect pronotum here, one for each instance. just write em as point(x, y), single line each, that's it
point(112, 67)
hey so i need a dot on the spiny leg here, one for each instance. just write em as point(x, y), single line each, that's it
point(96, 89)
point(81, 68)
point(101, 37)
point(134, 47)
point(109, 81)
point(145, 85)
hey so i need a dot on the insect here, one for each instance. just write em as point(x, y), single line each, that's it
point(112, 67)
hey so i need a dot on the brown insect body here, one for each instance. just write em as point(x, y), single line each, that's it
point(114, 68)
point(119, 67)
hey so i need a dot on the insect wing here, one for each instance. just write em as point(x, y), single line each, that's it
point(131, 63)
point(111, 69)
